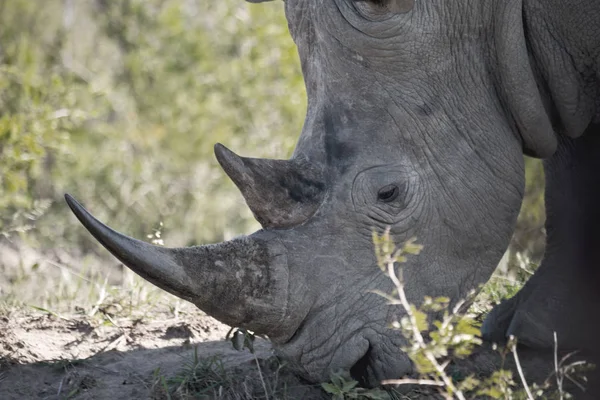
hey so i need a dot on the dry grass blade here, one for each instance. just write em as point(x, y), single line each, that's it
point(407, 381)
point(559, 379)
point(519, 369)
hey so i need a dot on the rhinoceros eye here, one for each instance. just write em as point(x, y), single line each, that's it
point(388, 193)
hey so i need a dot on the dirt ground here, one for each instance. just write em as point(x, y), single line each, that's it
point(43, 356)
point(72, 328)
point(83, 328)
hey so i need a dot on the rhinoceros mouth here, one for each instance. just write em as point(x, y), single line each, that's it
point(368, 353)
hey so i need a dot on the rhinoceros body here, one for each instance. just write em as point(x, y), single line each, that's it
point(419, 112)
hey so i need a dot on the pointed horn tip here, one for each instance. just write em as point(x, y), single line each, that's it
point(73, 204)
point(229, 161)
point(223, 153)
point(84, 216)
point(91, 223)
point(218, 147)
point(69, 198)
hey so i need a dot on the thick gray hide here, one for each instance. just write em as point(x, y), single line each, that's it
point(418, 117)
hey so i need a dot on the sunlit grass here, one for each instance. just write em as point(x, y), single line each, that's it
point(90, 288)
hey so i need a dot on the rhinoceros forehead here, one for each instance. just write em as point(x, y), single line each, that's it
point(344, 140)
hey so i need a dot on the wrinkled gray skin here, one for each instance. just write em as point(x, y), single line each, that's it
point(418, 117)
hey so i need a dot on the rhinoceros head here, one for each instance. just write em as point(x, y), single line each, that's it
point(415, 121)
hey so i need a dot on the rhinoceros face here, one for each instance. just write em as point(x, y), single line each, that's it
point(406, 127)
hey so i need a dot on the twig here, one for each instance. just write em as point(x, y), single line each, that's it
point(261, 377)
point(115, 343)
point(559, 378)
point(101, 297)
point(61, 385)
point(417, 334)
point(50, 312)
point(67, 269)
point(408, 381)
point(573, 381)
point(520, 370)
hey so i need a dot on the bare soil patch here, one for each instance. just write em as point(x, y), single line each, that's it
point(86, 328)
point(45, 337)
point(44, 356)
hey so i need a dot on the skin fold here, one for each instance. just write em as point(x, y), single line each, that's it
point(418, 117)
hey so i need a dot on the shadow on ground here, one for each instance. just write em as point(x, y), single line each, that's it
point(204, 370)
point(162, 350)
point(49, 357)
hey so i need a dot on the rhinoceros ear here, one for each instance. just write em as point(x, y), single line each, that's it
point(280, 193)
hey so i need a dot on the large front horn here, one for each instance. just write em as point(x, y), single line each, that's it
point(243, 282)
point(280, 193)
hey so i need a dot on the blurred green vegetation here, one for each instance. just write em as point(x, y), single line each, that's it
point(529, 239)
point(120, 103)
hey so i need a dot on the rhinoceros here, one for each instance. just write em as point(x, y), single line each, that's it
point(419, 113)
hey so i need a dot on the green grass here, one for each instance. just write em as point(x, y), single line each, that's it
point(209, 378)
point(83, 288)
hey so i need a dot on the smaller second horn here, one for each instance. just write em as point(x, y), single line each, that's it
point(280, 193)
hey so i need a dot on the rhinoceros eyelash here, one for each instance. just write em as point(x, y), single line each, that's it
point(388, 193)
point(380, 3)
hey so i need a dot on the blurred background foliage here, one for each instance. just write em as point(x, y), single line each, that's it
point(121, 102)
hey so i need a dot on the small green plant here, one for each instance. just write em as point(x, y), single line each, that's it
point(200, 377)
point(454, 335)
point(343, 387)
point(212, 378)
point(244, 339)
point(241, 339)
